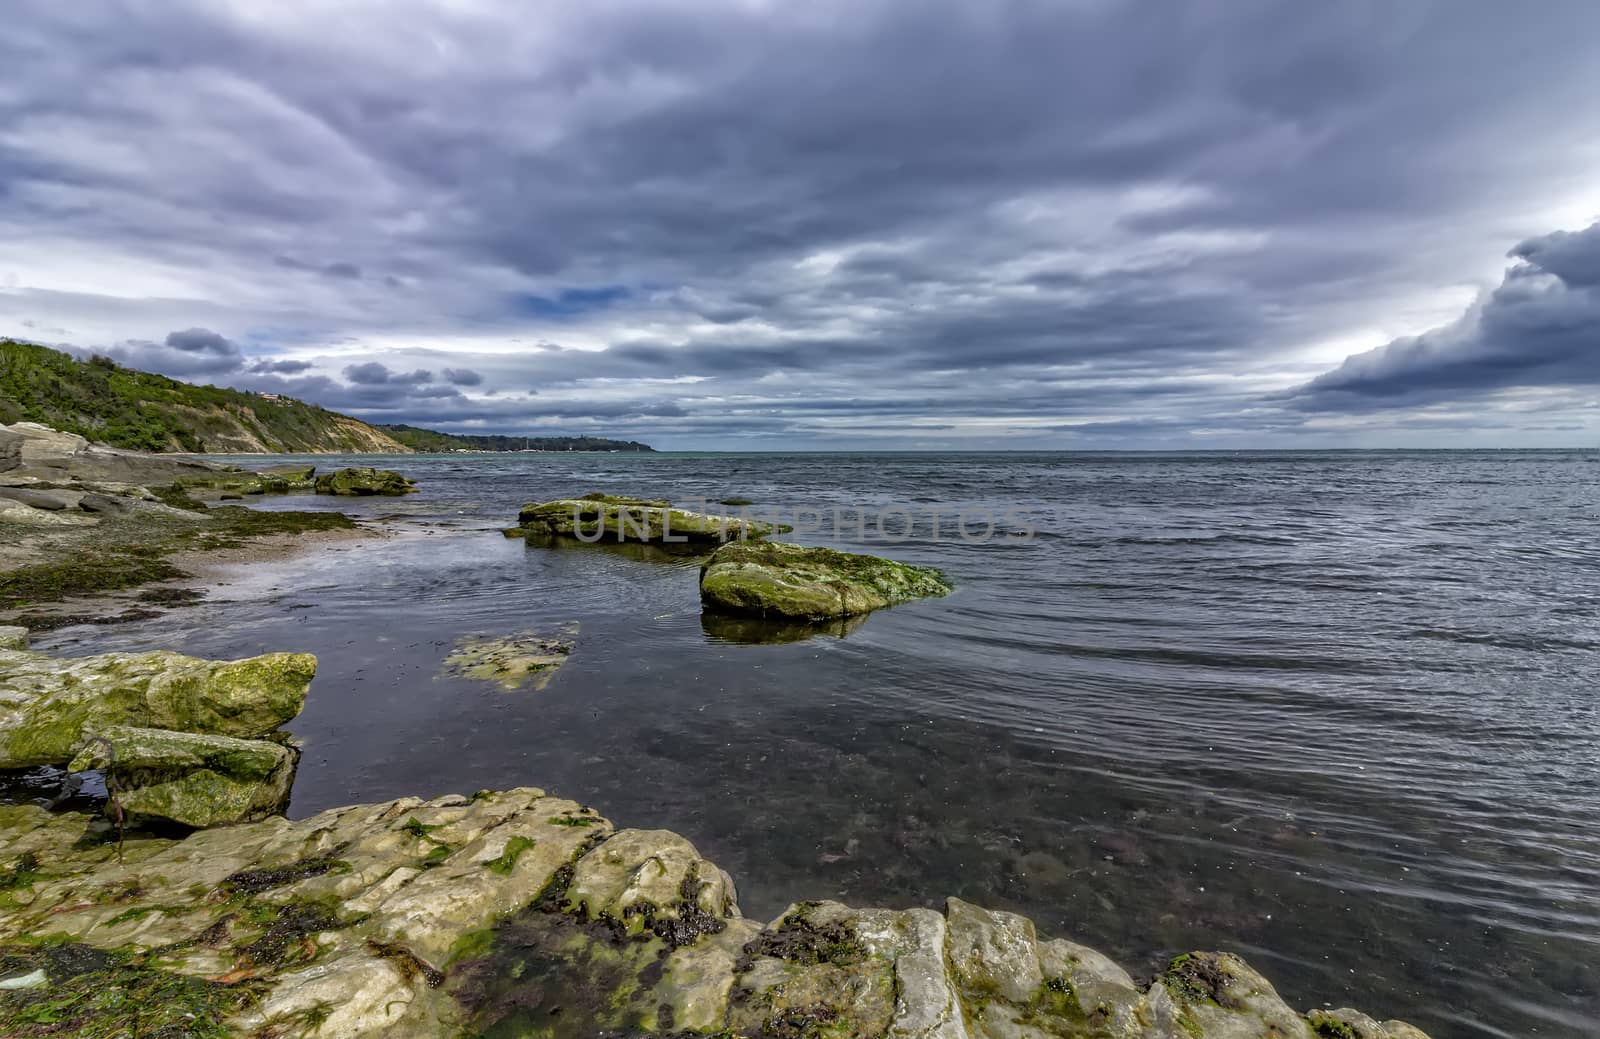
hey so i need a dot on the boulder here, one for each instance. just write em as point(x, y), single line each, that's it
point(795, 582)
point(606, 517)
point(187, 778)
point(48, 703)
point(362, 481)
point(273, 479)
point(289, 477)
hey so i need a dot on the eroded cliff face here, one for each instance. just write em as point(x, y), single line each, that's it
point(516, 913)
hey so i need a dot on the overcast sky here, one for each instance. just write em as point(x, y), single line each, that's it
point(868, 224)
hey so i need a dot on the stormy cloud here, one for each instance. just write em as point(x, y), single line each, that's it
point(825, 225)
point(1539, 328)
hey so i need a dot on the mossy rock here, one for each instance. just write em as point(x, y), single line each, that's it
point(189, 779)
point(512, 661)
point(609, 517)
point(795, 582)
point(363, 481)
point(47, 703)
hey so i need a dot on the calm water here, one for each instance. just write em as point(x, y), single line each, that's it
point(1334, 711)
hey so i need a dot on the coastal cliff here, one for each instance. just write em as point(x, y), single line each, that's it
point(120, 407)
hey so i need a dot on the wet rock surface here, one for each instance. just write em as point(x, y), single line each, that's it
point(49, 706)
point(799, 583)
point(363, 481)
point(187, 778)
point(518, 913)
point(607, 517)
point(525, 660)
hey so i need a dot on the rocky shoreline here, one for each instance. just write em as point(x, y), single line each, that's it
point(520, 913)
point(189, 905)
point(505, 912)
point(79, 521)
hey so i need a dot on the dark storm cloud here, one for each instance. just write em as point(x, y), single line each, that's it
point(281, 367)
point(1124, 216)
point(374, 374)
point(184, 354)
point(1540, 327)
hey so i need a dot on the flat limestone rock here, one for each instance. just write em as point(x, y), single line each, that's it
point(512, 661)
point(49, 499)
point(10, 449)
point(12, 511)
point(363, 481)
point(47, 703)
point(794, 582)
point(606, 517)
point(187, 778)
point(513, 913)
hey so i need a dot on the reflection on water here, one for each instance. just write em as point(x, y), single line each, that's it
point(750, 631)
point(1332, 711)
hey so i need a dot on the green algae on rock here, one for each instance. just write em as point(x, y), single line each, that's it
point(187, 778)
point(13, 637)
point(47, 703)
point(512, 661)
point(351, 923)
point(360, 481)
point(796, 582)
point(609, 517)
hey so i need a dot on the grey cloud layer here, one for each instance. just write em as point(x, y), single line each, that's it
point(816, 223)
point(1540, 327)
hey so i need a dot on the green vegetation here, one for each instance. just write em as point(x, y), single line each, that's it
point(508, 858)
point(428, 440)
point(128, 554)
point(98, 995)
point(109, 404)
point(1326, 1026)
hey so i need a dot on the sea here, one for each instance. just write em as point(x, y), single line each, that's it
point(1338, 712)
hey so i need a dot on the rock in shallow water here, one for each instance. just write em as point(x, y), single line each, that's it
point(512, 661)
point(362, 481)
point(520, 913)
point(189, 779)
point(607, 517)
point(795, 582)
point(46, 703)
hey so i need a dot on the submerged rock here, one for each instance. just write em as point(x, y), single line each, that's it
point(47, 703)
point(795, 582)
point(607, 517)
point(364, 480)
point(187, 778)
point(512, 661)
point(521, 913)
